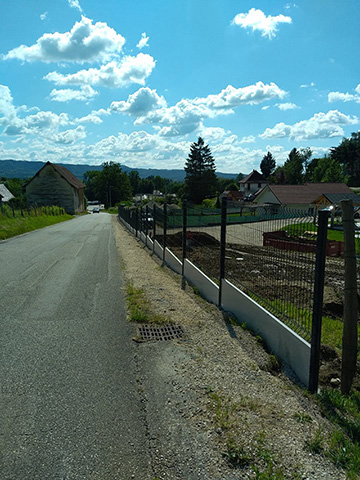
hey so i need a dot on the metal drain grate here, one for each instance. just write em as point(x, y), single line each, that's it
point(166, 332)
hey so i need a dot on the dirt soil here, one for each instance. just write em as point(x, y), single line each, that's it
point(217, 394)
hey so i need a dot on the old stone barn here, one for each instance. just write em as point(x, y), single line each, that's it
point(56, 185)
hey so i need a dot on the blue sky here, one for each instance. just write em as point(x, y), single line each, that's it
point(83, 81)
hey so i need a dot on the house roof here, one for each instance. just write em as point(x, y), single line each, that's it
point(254, 177)
point(335, 198)
point(64, 172)
point(5, 194)
point(232, 194)
point(307, 193)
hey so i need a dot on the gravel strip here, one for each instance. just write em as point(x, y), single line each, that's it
point(216, 391)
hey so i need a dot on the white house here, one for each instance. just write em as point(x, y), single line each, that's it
point(301, 197)
point(252, 183)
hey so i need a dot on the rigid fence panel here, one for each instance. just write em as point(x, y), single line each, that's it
point(290, 347)
point(207, 288)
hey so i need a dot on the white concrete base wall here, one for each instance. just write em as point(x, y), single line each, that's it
point(207, 288)
point(284, 342)
point(173, 262)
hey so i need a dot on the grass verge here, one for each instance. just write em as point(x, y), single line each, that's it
point(140, 309)
point(11, 227)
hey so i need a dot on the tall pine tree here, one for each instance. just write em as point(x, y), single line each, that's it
point(200, 180)
point(267, 165)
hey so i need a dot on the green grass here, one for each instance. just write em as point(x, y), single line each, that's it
point(344, 446)
point(140, 309)
point(11, 227)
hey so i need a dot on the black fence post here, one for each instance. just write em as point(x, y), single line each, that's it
point(146, 223)
point(318, 300)
point(222, 246)
point(184, 239)
point(141, 221)
point(136, 221)
point(154, 227)
point(164, 231)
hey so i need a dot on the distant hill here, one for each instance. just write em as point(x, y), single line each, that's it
point(23, 169)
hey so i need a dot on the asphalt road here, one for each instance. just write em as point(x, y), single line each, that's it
point(68, 400)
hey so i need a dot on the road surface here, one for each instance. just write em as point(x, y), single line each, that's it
point(68, 399)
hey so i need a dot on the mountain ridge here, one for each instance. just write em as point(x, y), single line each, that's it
point(22, 169)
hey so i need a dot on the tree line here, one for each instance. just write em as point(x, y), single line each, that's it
point(342, 164)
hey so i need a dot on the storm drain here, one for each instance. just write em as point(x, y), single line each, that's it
point(166, 332)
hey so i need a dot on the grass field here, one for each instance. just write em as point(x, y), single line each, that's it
point(22, 222)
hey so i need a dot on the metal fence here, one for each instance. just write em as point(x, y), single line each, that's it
point(275, 256)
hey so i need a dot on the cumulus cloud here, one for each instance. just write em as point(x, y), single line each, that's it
point(286, 106)
point(68, 137)
point(93, 117)
point(85, 94)
point(113, 74)
point(321, 125)
point(75, 4)
point(7, 108)
point(35, 124)
point(143, 42)
point(248, 139)
point(43, 16)
point(257, 20)
point(345, 97)
point(86, 42)
point(139, 103)
point(231, 97)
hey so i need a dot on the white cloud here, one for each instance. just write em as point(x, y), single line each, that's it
point(257, 20)
point(286, 106)
point(143, 42)
point(321, 125)
point(85, 94)
point(75, 4)
point(93, 117)
point(86, 42)
point(68, 137)
point(248, 139)
point(7, 108)
point(113, 75)
point(312, 84)
point(43, 16)
point(35, 124)
point(345, 97)
point(213, 134)
point(231, 97)
point(139, 103)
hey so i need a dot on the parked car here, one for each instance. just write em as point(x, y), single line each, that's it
point(249, 198)
point(96, 210)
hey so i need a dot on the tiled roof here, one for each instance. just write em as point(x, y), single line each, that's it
point(307, 193)
point(253, 177)
point(64, 172)
point(68, 176)
point(338, 197)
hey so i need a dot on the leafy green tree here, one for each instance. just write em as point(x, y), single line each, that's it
point(324, 170)
point(232, 187)
point(348, 155)
point(90, 181)
point(200, 180)
point(267, 165)
point(111, 185)
point(134, 179)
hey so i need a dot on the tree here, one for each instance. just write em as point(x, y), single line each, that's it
point(295, 164)
point(348, 155)
point(110, 185)
point(200, 179)
point(134, 179)
point(267, 165)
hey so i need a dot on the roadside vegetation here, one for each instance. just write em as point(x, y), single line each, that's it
point(16, 222)
point(140, 309)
